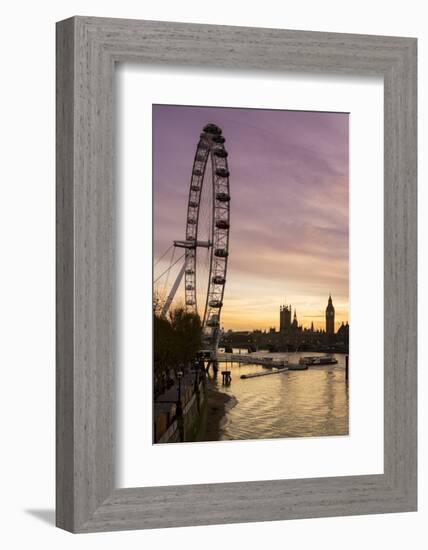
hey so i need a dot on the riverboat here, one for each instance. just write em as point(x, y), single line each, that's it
point(318, 360)
point(298, 366)
point(270, 363)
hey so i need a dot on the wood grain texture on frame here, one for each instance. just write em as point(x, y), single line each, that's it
point(87, 50)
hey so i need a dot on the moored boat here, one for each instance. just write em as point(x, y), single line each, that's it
point(269, 363)
point(317, 360)
point(298, 366)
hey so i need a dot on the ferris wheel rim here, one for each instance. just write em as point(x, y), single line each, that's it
point(210, 146)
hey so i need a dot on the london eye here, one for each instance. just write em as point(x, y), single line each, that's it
point(206, 242)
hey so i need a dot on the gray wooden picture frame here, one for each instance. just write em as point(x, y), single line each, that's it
point(87, 50)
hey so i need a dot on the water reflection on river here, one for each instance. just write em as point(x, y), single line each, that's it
point(289, 404)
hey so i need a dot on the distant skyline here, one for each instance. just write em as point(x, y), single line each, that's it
point(289, 236)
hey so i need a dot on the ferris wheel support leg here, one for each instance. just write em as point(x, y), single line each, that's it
point(171, 295)
point(214, 364)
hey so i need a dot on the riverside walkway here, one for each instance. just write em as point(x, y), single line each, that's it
point(165, 405)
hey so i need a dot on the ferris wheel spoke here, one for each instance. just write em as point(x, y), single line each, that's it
point(168, 269)
point(162, 256)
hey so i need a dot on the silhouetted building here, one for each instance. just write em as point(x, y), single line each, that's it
point(343, 334)
point(295, 324)
point(284, 318)
point(329, 317)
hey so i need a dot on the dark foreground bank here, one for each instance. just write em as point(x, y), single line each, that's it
point(217, 405)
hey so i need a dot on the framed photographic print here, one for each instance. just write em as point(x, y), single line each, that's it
point(236, 274)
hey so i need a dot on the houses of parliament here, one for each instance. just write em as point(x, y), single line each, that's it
point(293, 337)
point(285, 323)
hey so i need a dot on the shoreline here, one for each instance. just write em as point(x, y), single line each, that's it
point(218, 404)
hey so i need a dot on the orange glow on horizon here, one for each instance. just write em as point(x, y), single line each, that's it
point(264, 320)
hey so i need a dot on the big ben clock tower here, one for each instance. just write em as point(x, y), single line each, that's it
point(329, 317)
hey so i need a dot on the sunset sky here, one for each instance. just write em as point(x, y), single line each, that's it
point(289, 208)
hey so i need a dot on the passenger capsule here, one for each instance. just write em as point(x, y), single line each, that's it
point(217, 280)
point(197, 172)
point(189, 287)
point(193, 204)
point(222, 197)
point(221, 153)
point(222, 224)
point(190, 272)
point(213, 321)
point(218, 139)
point(195, 188)
point(221, 253)
point(215, 303)
point(212, 129)
point(191, 221)
point(222, 172)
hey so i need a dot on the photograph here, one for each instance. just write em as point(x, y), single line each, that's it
point(250, 273)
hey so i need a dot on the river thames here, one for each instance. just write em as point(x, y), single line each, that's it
point(310, 403)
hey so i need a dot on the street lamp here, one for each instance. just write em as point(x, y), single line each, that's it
point(179, 376)
point(179, 412)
